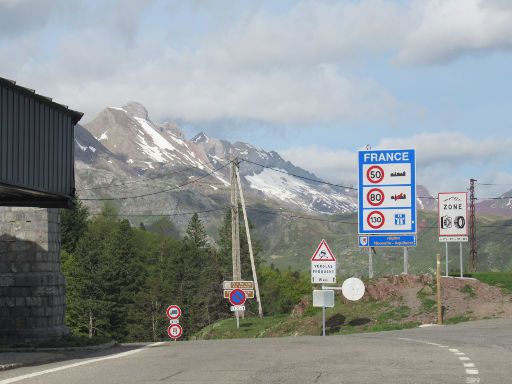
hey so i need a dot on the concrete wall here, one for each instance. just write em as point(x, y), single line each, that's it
point(32, 286)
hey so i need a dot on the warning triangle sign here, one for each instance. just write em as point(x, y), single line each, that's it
point(323, 253)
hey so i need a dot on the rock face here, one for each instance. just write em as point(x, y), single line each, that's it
point(32, 286)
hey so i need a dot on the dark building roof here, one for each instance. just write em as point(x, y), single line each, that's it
point(36, 148)
point(76, 116)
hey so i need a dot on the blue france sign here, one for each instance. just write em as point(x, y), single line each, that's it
point(387, 241)
point(387, 191)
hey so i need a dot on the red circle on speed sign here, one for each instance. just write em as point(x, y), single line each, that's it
point(375, 174)
point(375, 197)
point(375, 219)
point(174, 331)
point(173, 312)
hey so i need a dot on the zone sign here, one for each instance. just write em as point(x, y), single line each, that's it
point(387, 191)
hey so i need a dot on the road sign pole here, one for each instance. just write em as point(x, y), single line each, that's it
point(446, 250)
point(370, 263)
point(438, 278)
point(323, 321)
point(406, 261)
point(461, 264)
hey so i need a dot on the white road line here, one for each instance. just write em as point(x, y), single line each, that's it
point(469, 366)
point(74, 365)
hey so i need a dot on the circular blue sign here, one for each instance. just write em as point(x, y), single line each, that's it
point(237, 297)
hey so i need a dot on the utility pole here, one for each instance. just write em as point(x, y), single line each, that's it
point(249, 242)
point(235, 231)
point(472, 224)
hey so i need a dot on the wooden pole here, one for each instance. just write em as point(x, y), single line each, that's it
point(438, 278)
point(235, 227)
point(249, 242)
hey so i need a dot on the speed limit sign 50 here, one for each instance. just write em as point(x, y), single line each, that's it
point(375, 174)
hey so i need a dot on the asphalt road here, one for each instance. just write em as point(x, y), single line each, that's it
point(477, 352)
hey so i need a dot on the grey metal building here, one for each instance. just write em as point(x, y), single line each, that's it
point(36, 170)
point(36, 149)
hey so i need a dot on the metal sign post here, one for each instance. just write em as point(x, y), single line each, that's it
point(406, 261)
point(461, 264)
point(323, 298)
point(446, 246)
point(370, 263)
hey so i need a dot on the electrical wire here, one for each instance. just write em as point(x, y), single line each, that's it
point(156, 192)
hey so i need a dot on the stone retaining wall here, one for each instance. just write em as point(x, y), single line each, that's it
point(32, 286)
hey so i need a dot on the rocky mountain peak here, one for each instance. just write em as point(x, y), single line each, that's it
point(201, 137)
point(136, 110)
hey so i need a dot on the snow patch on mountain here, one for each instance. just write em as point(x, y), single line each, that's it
point(297, 192)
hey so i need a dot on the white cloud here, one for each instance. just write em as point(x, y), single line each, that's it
point(448, 29)
point(288, 67)
point(445, 160)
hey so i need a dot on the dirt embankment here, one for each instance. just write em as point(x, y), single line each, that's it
point(462, 298)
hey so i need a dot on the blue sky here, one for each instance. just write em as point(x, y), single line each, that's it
point(314, 80)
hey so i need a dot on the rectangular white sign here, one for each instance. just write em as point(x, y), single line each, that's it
point(323, 272)
point(453, 218)
point(235, 308)
point(323, 298)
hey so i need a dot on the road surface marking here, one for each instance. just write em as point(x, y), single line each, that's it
point(470, 368)
point(79, 364)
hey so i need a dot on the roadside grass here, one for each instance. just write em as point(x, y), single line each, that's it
point(344, 318)
point(499, 279)
point(457, 319)
point(69, 341)
point(250, 327)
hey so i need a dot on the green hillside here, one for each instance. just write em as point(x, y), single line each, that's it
point(290, 242)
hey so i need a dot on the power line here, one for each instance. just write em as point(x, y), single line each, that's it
point(156, 192)
point(158, 215)
point(138, 180)
point(299, 176)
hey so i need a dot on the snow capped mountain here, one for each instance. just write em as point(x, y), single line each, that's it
point(124, 143)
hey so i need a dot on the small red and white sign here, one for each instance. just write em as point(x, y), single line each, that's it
point(323, 253)
point(173, 312)
point(323, 265)
point(174, 331)
point(375, 197)
point(375, 174)
point(375, 219)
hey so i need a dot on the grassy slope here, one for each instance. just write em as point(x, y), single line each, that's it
point(346, 317)
point(290, 242)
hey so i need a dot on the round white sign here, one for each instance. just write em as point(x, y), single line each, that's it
point(353, 289)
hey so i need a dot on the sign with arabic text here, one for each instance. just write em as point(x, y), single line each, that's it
point(387, 192)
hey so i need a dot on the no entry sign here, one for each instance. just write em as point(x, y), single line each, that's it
point(237, 297)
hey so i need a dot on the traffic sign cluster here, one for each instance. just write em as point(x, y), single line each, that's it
point(174, 331)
